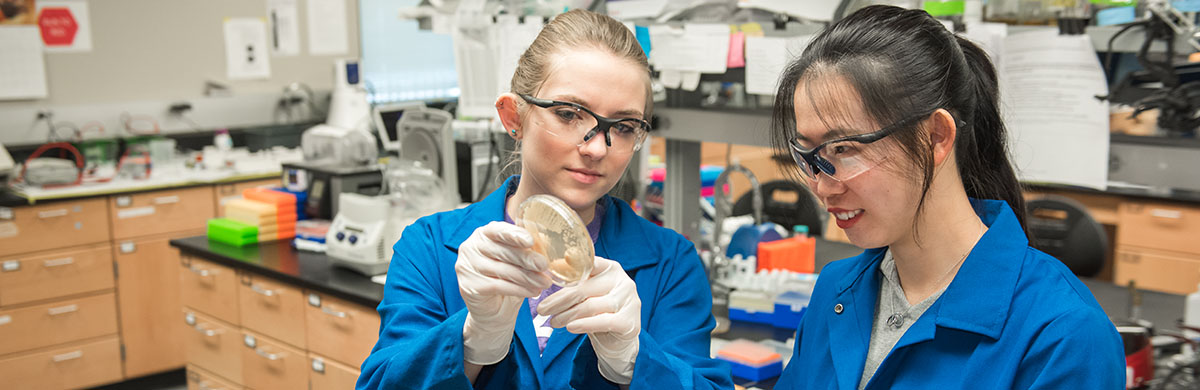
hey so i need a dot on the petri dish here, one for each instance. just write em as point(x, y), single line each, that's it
point(560, 235)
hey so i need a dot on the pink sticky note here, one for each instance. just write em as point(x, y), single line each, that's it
point(737, 57)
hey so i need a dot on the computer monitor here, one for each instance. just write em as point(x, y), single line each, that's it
point(386, 116)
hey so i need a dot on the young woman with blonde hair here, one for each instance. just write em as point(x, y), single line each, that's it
point(455, 313)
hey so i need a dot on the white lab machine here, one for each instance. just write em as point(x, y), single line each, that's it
point(344, 138)
point(422, 134)
point(362, 234)
point(365, 228)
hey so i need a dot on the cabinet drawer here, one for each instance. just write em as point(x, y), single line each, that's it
point(53, 225)
point(1160, 226)
point(225, 192)
point(213, 345)
point(272, 308)
point(271, 364)
point(342, 331)
point(1157, 270)
point(327, 374)
point(160, 212)
point(198, 379)
point(209, 288)
point(68, 367)
point(56, 323)
point(37, 277)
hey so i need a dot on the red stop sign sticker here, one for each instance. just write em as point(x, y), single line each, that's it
point(58, 26)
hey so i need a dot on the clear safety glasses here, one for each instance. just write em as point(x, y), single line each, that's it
point(846, 157)
point(574, 121)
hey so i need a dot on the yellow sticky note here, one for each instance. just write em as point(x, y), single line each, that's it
point(752, 29)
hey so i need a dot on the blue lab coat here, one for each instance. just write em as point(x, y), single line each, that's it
point(1013, 318)
point(420, 338)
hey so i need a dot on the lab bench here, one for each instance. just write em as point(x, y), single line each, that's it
point(1152, 233)
point(317, 322)
point(87, 282)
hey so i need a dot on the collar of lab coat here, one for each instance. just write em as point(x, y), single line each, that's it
point(622, 238)
point(978, 298)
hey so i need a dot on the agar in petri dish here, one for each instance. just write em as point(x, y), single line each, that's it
point(560, 235)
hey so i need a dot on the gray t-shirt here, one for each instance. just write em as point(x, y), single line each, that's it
point(891, 301)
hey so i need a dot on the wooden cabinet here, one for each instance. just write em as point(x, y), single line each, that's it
point(269, 364)
point(148, 291)
point(37, 326)
point(340, 330)
point(1158, 246)
point(158, 212)
point(1162, 226)
point(73, 366)
point(209, 288)
point(37, 277)
point(199, 379)
point(330, 375)
point(1157, 270)
point(272, 308)
point(213, 345)
point(53, 225)
point(225, 192)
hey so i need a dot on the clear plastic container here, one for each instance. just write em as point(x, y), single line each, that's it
point(560, 235)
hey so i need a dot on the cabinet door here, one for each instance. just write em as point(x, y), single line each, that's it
point(52, 225)
point(330, 375)
point(158, 212)
point(148, 295)
point(213, 345)
point(37, 326)
point(198, 379)
point(1157, 270)
point(58, 274)
point(71, 366)
point(210, 288)
point(1157, 225)
point(272, 308)
point(270, 364)
point(340, 330)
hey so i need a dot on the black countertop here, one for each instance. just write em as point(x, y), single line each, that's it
point(314, 271)
point(280, 261)
point(1149, 193)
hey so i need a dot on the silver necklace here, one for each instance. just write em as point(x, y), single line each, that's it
point(896, 320)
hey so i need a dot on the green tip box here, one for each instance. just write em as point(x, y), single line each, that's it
point(231, 232)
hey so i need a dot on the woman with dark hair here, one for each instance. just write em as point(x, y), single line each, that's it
point(893, 123)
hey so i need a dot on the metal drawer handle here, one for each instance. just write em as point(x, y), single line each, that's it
point(63, 309)
point(263, 291)
point(335, 313)
point(1169, 214)
point(268, 355)
point(166, 199)
point(58, 262)
point(68, 356)
point(52, 213)
point(205, 386)
point(204, 273)
point(200, 328)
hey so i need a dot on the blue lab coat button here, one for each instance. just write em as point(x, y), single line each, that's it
point(341, 236)
point(353, 239)
point(838, 309)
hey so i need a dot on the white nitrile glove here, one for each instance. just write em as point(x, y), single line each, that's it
point(606, 307)
point(496, 271)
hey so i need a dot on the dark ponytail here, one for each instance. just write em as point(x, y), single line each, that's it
point(982, 147)
point(901, 63)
